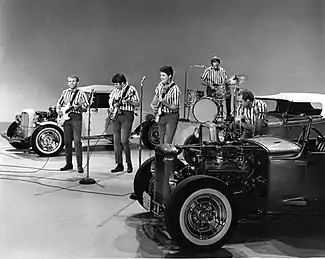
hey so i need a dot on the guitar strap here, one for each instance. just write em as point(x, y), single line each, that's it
point(164, 93)
point(125, 92)
point(74, 96)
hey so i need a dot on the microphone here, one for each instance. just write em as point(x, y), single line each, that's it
point(143, 78)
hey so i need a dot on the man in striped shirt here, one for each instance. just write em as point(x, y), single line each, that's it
point(73, 126)
point(126, 98)
point(215, 79)
point(251, 115)
point(166, 98)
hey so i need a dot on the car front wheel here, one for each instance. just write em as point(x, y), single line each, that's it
point(200, 214)
point(47, 140)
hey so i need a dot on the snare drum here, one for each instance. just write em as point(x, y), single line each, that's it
point(208, 109)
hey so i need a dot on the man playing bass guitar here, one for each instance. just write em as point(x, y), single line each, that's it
point(122, 102)
point(75, 101)
point(165, 105)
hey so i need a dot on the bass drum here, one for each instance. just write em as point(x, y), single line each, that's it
point(208, 109)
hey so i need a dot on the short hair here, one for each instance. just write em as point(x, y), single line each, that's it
point(168, 70)
point(247, 95)
point(74, 76)
point(215, 59)
point(118, 78)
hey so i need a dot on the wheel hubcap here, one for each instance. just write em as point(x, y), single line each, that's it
point(205, 216)
point(154, 134)
point(49, 141)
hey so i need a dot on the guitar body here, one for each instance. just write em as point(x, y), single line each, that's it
point(66, 114)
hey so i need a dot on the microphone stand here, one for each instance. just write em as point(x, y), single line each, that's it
point(140, 133)
point(87, 180)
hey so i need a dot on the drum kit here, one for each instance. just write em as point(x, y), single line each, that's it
point(212, 109)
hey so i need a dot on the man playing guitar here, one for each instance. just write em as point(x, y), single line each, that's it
point(76, 102)
point(165, 105)
point(125, 98)
point(215, 79)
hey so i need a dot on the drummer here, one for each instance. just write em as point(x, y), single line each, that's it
point(215, 79)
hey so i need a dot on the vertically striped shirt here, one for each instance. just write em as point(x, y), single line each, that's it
point(172, 96)
point(213, 76)
point(80, 100)
point(131, 94)
point(258, 110)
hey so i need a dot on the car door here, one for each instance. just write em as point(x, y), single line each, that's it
point(287, 185)
point(315, 181)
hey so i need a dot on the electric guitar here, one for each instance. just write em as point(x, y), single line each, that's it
point(66, 110)
point(159, 107)
point(116, 111)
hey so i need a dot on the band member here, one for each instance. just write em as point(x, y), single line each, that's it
point(77, 99)
point(124, 98)
point(165, 105)
point(251, 115)
point(215, 79)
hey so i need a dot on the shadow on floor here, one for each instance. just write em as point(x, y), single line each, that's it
point(297, 236)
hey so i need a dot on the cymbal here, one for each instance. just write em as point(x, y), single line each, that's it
point(237, 79)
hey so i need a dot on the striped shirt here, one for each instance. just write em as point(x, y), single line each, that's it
point(213, 76)
point(172, 97)
point(80, 99)
point(258, 110)
point(116, 95)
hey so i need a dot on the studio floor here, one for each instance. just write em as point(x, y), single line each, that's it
point(46, 213)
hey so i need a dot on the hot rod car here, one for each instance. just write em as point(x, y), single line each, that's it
point(200, 204)
point(40, 130)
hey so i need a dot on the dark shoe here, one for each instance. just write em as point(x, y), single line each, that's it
point(66, 167)
point(80, 170)
point(118, 168)
point(133, 196)
point(130, 168)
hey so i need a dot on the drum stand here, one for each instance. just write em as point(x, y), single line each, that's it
point(87, 180)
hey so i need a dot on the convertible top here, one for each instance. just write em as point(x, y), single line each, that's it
point(298, 98)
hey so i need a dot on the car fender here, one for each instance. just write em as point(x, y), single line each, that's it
point(50, 123)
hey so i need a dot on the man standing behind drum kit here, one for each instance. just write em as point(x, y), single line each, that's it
point(215, 79)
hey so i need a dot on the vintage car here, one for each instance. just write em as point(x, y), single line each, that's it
point(200, 204)
point(40, 130)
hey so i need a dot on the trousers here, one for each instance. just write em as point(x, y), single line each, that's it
point(122, 127)
point(167, 126)
point(72, 132)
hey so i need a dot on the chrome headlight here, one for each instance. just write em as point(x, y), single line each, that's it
point(221, 135)
point(196, 132)
point(18, 118)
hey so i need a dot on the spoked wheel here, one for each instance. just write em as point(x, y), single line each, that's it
point(200, 213)
point(47, 140)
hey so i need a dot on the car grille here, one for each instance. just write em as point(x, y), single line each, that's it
point(24, 124)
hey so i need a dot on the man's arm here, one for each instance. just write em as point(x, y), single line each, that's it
point(135, 100)
point(60, 103)
point(174, 105)
point(83, 102)
point(204, 80)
